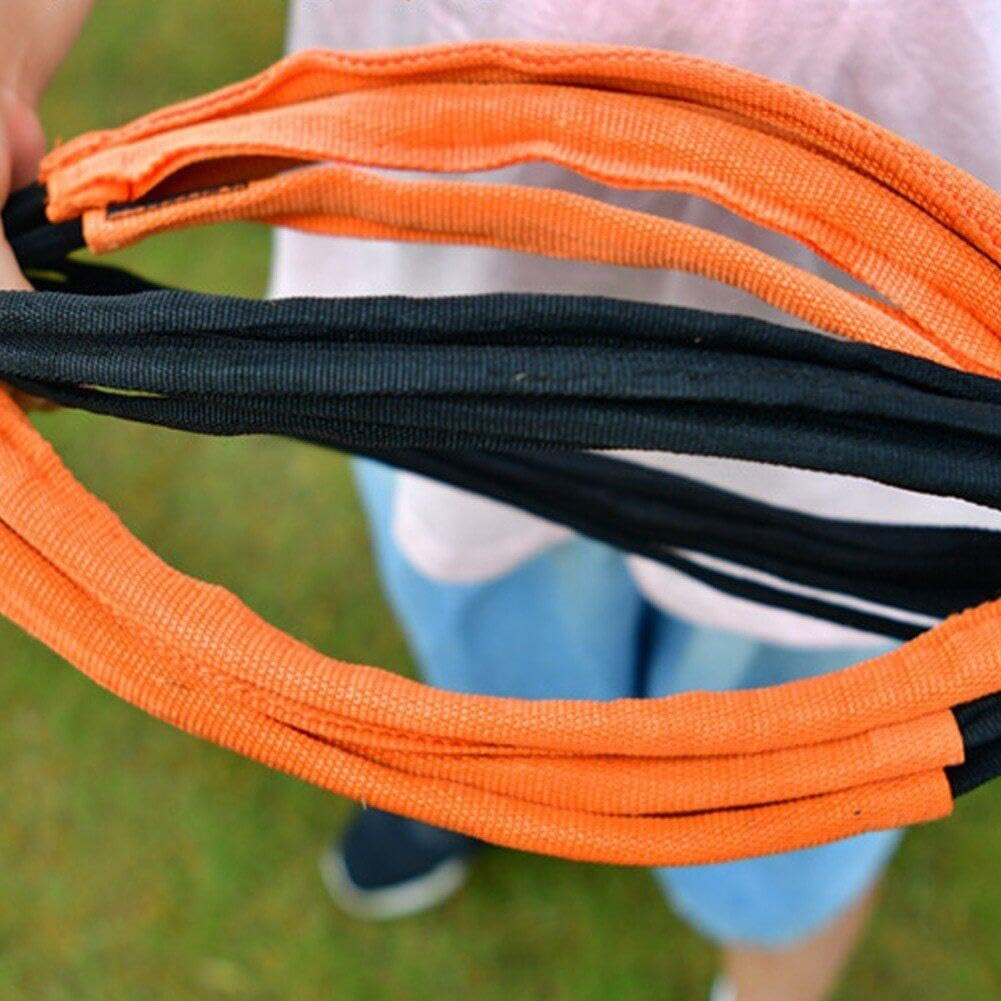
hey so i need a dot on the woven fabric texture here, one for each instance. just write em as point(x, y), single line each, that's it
point(523, 375)
point(693, 778)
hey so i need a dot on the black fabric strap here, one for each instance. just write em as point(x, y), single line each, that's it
point(980, 724)
point(649, 512)
point(47, 244)
point(24, 211)
point(513, 373)
point(980, 721)
point(596, 495)
point(86, 278)
point(36, 242)
point(490, 393)
point(424, 384)
point(982, 765)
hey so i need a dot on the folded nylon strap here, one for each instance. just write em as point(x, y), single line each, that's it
point(515, 371)
point(693, 778)
point(864, 199)
point(550, 371)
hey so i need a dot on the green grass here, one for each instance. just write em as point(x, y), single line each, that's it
point(139, 863)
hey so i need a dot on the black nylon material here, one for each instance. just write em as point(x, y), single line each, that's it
point(526, 377)
point(514, 372)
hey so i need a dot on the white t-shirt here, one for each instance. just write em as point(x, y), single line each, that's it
point(927, 69)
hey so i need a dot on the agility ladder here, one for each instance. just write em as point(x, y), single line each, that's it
point(697, 777)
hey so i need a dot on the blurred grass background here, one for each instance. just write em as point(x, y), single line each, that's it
point(138, 862)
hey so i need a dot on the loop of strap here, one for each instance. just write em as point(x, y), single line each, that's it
point(419, 383)
point(697, 777)
point(512, 372)
point(235, 164)
point(194, 656)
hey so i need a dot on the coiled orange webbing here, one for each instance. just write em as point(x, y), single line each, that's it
point(693, 778)
point(873, 205)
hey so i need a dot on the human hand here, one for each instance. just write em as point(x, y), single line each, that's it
point(11, 277)
point(37, 35)
point(10, 273)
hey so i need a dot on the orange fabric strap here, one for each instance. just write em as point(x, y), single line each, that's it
point(698, 777)
point(191, 654)
point(230, 158)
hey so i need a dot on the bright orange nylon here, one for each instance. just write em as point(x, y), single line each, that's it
point(693, 778)
point(859, 223)
point(619, 139)
point(193, 655)
point(945, 192)
point(649, 785)
point(344, 201)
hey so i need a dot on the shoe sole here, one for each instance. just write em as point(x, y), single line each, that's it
point(390, 903)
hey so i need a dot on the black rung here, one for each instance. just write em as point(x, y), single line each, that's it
point(24, 211)
point(48, 244)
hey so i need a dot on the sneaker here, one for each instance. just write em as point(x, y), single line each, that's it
point(722, 990)
point(387, 867)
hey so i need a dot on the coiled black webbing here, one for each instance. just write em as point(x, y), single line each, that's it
point(513, 373)
point(422, 383)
